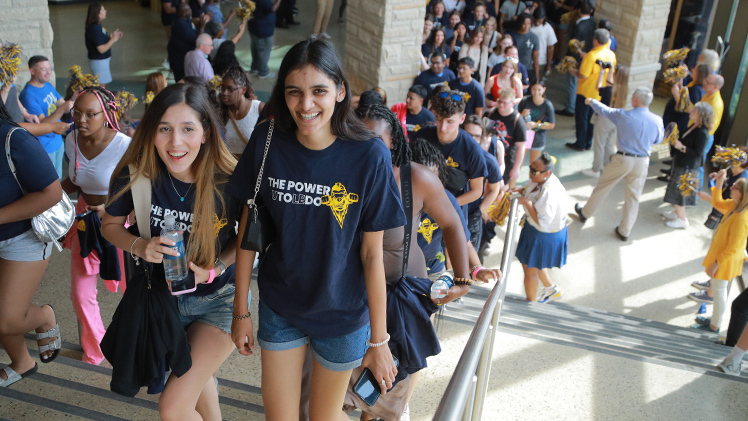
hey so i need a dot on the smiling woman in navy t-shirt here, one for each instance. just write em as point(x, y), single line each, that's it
point(179, 150)
point(329, 188)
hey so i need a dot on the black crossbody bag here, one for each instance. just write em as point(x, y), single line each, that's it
point(259, 231)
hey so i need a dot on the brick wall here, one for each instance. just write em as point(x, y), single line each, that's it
point(383, 45)
point(639, 27)
point(26, 22)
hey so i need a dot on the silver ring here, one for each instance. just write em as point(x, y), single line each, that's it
point(384, 383)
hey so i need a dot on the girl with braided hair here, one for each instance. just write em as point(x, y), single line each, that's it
point(240, 109)
point(94, 148)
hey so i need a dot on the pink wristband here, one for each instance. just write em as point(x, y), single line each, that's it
point(212, 276)
point(476, 270)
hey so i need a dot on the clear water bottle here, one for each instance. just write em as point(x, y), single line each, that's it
point(440, 287)
point(528, 118)
point(175, 267)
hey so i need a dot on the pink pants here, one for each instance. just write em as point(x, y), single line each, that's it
point(84, 275)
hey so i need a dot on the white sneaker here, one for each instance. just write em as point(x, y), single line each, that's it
point(727, 368)
point(165, 64)
point(670, 214)
point(677, 223)
point(313, 36)
point(269, 75)
point(325, 35)
point(589, 172)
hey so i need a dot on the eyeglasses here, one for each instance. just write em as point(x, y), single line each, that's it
point(476, 136)
point(232, 90)
point(79, 115)
point(46, 69)
point(455, 97)
point(533, 171)
point(510, 102)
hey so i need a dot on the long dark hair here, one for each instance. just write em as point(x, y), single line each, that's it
point(212, 166)
point(5, 115)
point(92, 17)
point(321, 55)
point(431, 42)
point(426, 154)
point(225, 58)
point(400, 150)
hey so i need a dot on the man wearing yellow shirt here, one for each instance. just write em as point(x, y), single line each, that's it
point(711, 85)
point(588, 73)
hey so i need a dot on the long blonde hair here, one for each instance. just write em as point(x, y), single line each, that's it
point(742, 204)
point(212, 166)
point(620, 91)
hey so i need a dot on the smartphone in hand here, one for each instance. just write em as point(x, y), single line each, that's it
point(367, 387)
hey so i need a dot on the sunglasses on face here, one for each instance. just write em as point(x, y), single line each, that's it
point(533, 171)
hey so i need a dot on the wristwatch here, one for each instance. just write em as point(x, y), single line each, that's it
point(220, 265)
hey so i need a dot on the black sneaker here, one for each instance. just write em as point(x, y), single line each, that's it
point(578, 210)
point(565, 112)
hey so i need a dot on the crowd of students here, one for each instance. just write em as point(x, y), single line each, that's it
point(349, 192)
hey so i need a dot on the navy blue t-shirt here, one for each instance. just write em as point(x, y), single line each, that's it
point(430, 80)
point(493, 175)
point(33, 168)
point(165, 201)
point(430, 238)
point(321, 203)
point(477, 97)
point(463, 153)
point(95, 36)
point(428, 49)
point(415, 122)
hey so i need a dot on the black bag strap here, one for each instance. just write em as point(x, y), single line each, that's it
point(406, 189)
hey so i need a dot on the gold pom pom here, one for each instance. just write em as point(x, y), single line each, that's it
point(148, 98)
point(576, 46)
point(674, 57)
point(671, 134)
point(125, 102)
point(216, 82)
point(684, 104)
point(568, 64)
point(499, 209)
point(80, 80)
point(729, 155)
point(674, 74)
point(570, 17)
point(245, 10)
point(688, 183)
point(10, 59)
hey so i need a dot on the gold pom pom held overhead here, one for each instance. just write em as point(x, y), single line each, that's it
point(674, 57)
point(10, 59)
point(245, 10)
point(80, 80)
point(729, 156)
point(688, 183)
point(674, 74)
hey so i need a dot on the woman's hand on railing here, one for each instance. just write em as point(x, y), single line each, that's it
point(485, 275)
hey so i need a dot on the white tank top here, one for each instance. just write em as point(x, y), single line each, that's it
point(246, 125)
point(93, 176)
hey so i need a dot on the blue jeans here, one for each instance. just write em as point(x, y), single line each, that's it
point(56, 158)
point(571, 92)
point(584, 126)
point(260, 48)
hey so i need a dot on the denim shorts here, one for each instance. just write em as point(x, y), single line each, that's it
point(340, 353)
point(214, 309)
point(25, 247)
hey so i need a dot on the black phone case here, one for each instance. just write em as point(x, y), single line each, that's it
point(366, 381)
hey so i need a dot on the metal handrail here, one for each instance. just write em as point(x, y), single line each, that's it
point(469, 383)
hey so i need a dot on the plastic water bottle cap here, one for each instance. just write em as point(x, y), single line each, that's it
point(702, 309)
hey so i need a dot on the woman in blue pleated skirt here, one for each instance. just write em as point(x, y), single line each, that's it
point(544, 240)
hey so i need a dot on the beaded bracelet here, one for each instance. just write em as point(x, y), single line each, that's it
point(378, 344)
point(246, 316)
point(463, 281)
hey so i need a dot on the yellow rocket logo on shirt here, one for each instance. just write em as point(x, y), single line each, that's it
point(452, 163)
point(218, 223)
point(427, 229)
point(338, 200)
point(81, 225)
